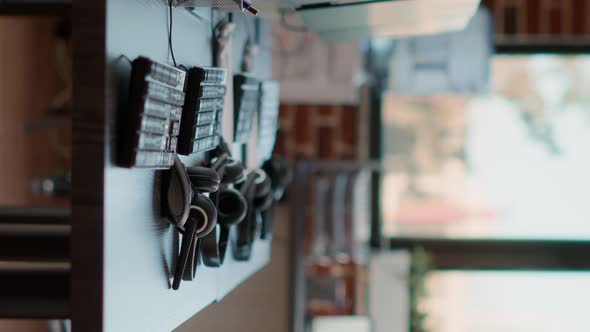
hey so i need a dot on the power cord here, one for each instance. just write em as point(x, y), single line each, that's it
point(170, 34)
point(126, 58)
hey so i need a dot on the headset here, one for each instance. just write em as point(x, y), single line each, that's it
point(230, 200)
point(258, 193)
point(232, 208)
point(192, 213)
point(281, 174)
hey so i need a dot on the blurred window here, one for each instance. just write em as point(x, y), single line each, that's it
point(506, 301)
point(510, 164)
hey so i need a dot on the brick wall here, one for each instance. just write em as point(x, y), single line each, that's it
point(324, 132)
point(318, 132)
point(541, 19)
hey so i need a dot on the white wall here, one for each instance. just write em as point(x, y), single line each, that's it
point(388, 291)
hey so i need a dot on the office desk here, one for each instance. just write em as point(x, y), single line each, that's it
point(122, 248)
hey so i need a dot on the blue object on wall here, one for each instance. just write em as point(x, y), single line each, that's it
point(456, 62)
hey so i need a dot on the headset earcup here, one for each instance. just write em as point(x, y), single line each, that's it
point(231, 206)
point(204, 215)
point(218, 164)
point(203, 179)
point(263, 184)
point(203, 209)
point(234, 171)
point(178, 193)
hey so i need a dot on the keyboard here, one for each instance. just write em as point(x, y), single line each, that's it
point(268, 119)
point(200, 128)
point(246, 95)
point(150, 130)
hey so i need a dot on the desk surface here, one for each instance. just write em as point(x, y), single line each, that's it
point(122, 249)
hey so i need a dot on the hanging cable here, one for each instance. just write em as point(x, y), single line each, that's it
point(126, 58)
point(212, 23)
point(170, 34)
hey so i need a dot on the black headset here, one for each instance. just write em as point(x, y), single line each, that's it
point(258, 193)
point(231, 206)
point(263, 203)
point(281, 174)
point(192, 213)
point(203, 179)
point(201, 208)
